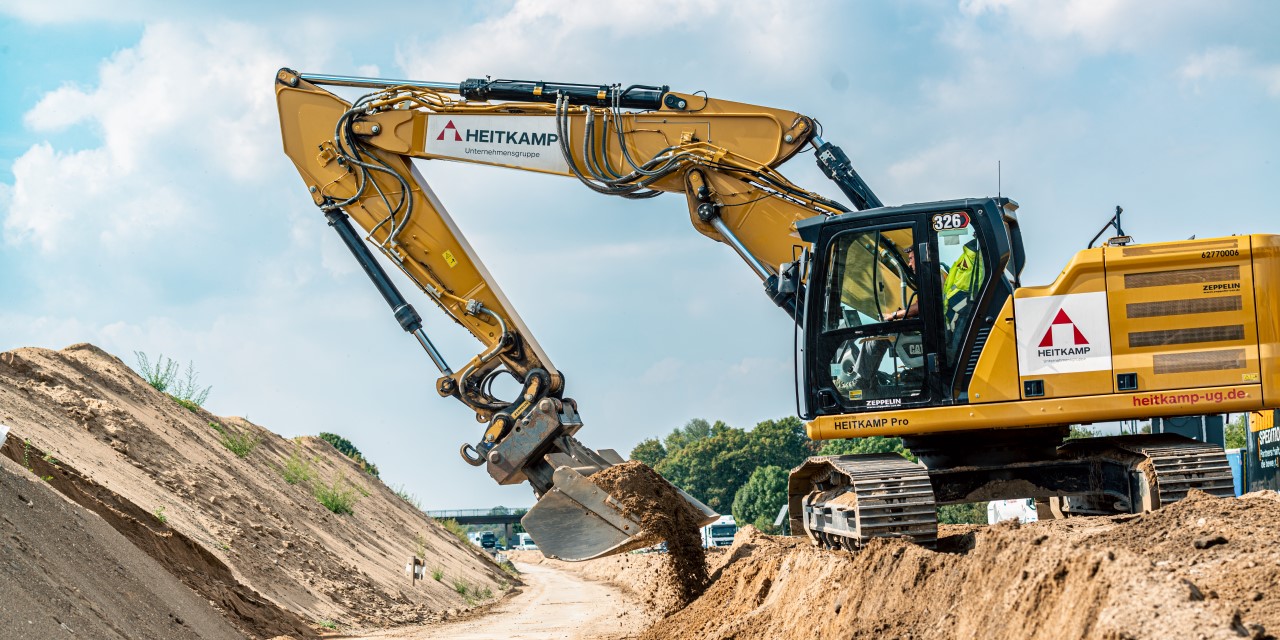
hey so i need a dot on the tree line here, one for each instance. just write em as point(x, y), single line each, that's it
point(744, 472)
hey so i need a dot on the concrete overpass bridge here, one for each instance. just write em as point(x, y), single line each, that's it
point(506, 518)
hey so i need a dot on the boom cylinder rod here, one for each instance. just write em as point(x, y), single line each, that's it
point(737, 245)
point(377, 83)
point(633, 97)
point(404, 312)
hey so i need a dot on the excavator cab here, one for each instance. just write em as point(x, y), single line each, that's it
point(901, 300)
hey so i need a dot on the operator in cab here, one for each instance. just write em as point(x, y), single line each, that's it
point(875, 310)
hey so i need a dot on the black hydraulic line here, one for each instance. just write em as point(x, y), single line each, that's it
point(834, 163)
point(633, 97)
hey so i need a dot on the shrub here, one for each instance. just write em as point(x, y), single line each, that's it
point(241, 444)
point(461, 587)
point(188, 392)
point(407, 497)
point(186, 404)
point(456, 529)
point(337, 496)
point(159, 375)
point(964, 513)
point(437, 574)
point(162, 375)
point(296, 468)
point(349, 450)
point(758, 501)
point(509, 568)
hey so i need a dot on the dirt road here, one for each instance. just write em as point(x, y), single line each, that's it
point(554, 604)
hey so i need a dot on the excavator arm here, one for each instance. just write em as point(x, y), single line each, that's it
point(356, 159)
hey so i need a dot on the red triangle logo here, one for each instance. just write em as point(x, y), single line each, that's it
point(449, 127)
point(1077, 338)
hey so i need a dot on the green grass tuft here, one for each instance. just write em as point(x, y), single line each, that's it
point(162, 375)
point(509, 568)
point(337, 496)
point(407, 497)
point(297, 469)
point(241, 444)
point(456, 529)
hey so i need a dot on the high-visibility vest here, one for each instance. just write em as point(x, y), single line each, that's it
point(964, 276)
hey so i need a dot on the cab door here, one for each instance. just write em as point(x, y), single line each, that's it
point(873, 325)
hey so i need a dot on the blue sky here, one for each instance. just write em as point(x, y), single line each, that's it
point(145, 203)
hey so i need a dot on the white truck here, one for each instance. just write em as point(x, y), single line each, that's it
point(1023, 510)
point(524, 542)
point(719, 533)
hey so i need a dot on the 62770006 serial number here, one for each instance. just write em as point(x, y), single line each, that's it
point(1220, 253)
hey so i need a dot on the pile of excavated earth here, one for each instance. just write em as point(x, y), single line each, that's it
point(125, 515)
point(1202, 568)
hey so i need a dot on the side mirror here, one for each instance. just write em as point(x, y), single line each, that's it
point(789, 278)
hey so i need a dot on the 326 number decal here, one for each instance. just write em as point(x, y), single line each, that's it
point(955, 220)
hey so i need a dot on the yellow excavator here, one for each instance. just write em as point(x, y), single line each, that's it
point(911, 320)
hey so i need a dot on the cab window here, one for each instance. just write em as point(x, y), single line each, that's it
point(962, 272)
point(872, 317)
point(869, 278)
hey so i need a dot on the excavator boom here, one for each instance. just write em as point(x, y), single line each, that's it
point(356, 159)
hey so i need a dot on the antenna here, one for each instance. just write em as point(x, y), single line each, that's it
point(1120, 239)
point(999, 181)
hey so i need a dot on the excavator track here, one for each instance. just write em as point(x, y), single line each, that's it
point(841, 502)
point(1163, 469)
point(848, 500)
point(1179, 467)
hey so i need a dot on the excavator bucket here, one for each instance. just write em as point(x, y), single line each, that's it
point(576, 520)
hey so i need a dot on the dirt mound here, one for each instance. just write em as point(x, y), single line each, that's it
point(231, 527)
point(665, 514)
point(66, 573)
point(1203, 568)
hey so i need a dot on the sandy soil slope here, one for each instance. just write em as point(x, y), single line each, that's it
point(65, 573)
point(264, 551)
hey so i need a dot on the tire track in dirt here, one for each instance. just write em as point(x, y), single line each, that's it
point(553, 605)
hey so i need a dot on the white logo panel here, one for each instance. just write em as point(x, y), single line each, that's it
point(1063, 334)
point(531, 142)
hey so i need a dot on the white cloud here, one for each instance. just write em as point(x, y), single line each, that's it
point(622, 40)
point(199, 95)
point(1228, 63)
point(1097, 25)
